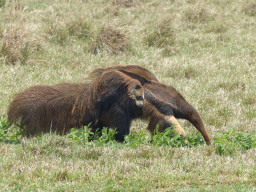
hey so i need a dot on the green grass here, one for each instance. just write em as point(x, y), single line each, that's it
point(225, 143)
point(141, 163)
point(205, 49)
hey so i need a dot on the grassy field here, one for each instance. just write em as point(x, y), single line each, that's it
point(205, 49)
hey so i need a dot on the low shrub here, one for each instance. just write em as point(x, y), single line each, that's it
point(85, 135)
point(123, 3)
point(225, 143)
point(250, 9)
point(162, 36)
point(2, 3)
point(75, 27)
point(230, 142)
point(110, 39)
point(9, 133)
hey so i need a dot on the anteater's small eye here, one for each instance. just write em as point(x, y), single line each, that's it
point(139, 98)
point(137, 87)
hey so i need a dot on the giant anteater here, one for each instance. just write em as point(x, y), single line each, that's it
point(177, 105)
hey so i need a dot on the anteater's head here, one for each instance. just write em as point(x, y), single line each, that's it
point(136, 92)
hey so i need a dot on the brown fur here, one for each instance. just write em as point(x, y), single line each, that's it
point(60, 107)
point(149, 111)
point(178, 106)
point(43, 108)
point(134, 71)
point(156, 116)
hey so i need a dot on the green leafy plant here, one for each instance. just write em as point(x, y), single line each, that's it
point(8, 132)
point(82, 135)
point(136, 138)
point(105, 136)
point(230, 142)
point(168, 137)
point(193, 141)
point(4, 125)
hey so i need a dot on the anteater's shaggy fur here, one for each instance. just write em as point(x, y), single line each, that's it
point(60, 107)
point(154, 109)
point(177, 106)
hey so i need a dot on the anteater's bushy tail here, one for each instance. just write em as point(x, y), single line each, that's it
point(44, 108)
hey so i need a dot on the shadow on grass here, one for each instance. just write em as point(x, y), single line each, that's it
point(9, 141)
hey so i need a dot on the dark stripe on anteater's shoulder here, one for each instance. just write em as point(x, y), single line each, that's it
point(134, 71)
point(141, 79)
point(162, 107)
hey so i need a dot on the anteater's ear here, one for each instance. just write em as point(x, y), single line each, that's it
point(190, 113)
point(163, 107)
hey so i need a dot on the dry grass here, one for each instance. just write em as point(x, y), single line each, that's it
point(19, 41)
point(54, 163)
point(67, 27)
point(250, 8)
point(163, 34)
point(18, 45)
point(124, 3)
point(211, 60)
point(198, 12)
point(110, 39)
point(2, 3)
